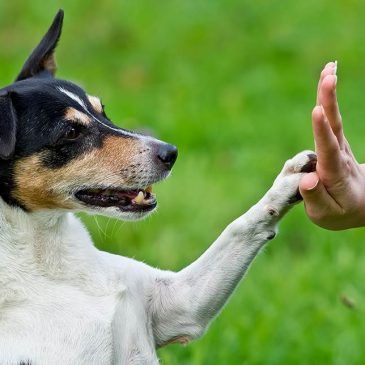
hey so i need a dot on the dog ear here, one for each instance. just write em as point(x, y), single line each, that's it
point(42, 61)
point(8, 122)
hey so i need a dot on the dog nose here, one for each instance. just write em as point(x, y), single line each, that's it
point(167, 154)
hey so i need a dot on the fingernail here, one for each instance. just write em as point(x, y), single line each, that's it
point(314, 186)
point(335, 68)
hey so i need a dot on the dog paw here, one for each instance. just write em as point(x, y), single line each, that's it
point(303, 162)
point(285, 190)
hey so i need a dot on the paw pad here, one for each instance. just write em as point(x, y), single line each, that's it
point(310, 166)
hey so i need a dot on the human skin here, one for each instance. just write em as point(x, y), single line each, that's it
point(334, 195)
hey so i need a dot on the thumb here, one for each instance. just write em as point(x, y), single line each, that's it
point(318, 203)
point(309, 184)
point(313, 192)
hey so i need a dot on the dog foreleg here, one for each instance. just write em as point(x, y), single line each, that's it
point(184, 303)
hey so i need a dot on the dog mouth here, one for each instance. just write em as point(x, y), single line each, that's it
point(135, 200)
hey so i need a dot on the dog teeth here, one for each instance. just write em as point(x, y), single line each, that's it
point(139, 198)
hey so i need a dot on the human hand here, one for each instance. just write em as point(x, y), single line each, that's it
point(334, 195)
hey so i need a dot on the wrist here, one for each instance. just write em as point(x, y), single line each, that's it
point(362, 198)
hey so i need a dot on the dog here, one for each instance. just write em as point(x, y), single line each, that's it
point(62, 301)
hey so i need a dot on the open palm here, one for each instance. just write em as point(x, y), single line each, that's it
point(334, 195)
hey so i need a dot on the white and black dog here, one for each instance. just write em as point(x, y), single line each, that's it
point(61, 300)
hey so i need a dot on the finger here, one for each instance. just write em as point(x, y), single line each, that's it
point(318, 203)
point(329, 69)
point(327, 96)
point(327, 147)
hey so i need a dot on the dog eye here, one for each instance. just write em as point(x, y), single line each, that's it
point(72, 134)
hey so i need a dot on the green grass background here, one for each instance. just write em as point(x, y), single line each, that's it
point(232, 84)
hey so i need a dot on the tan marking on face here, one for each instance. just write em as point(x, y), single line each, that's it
point(38, 187)
point(95, 103)
point(32, 190)
point(75, 115)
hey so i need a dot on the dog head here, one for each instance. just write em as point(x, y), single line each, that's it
point(59, 150)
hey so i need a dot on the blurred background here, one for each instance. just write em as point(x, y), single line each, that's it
point(232, 84)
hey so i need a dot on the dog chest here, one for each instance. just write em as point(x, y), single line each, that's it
point(62, 325)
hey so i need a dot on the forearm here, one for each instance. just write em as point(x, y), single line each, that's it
point(185, 302)
point(192, 297)
point(212, 278)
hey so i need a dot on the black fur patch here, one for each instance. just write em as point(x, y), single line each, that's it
point(41, 61)
point(7, 126)
point(33, 111)
point(40, 109)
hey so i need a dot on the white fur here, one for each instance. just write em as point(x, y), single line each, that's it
point(73, 96)
point(64, 302)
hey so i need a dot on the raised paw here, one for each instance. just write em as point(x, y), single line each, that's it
point(303, 162)
point(285, 190)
